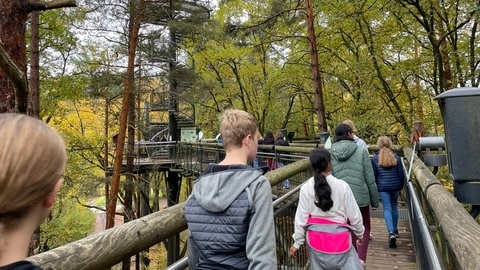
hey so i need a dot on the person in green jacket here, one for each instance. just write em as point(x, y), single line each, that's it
point(352, 164)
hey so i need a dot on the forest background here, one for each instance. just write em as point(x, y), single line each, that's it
point(382, 63)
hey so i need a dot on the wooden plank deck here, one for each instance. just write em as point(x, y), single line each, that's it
point(380, 256)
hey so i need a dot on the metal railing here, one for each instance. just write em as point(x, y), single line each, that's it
point(444, 220)
point(108, 248)
point(284, 214)
point(425, 250)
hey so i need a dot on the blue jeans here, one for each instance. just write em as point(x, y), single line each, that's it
point(390, 209)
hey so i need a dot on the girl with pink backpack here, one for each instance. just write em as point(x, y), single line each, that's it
point(326, 215)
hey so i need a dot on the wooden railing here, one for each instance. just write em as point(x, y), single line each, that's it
point(110, 247)
point(456, 232)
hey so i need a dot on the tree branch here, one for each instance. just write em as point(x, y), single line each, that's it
point(39, 6)
point(19, 81)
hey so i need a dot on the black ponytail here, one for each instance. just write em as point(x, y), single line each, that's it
point(319, 159)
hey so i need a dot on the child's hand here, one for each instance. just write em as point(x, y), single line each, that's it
point(293, 251)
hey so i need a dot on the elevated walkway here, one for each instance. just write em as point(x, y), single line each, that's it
point(381, 257)
point(438, 221)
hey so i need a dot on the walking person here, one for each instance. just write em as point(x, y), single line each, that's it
point(417, 132)
point(269, 139)
point(230, 213)
point(280, 140)
point(33, 161)
point(324, 207)
point(359, 141)
point(352, 164)
point(389, 176)
point(258, 161)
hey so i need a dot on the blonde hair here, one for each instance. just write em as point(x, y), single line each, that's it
point(279, 135)
point(386, 158)
point(32, 158)
point(349, 123)
point(236, 125)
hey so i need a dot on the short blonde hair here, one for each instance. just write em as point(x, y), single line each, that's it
point(236, 125)
point(386, 158)
point(32, 158)
point(349, 123)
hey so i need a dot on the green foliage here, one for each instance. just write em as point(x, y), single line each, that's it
point(376, 59)
point(382, 63)
point(68, 222)
point(239, 65)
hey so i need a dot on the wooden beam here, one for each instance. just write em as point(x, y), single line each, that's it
point(102, 250)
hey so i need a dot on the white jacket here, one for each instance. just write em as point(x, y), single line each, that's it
point(344, 208)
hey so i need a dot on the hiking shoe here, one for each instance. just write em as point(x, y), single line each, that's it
point(392, 241)
point(396, 233)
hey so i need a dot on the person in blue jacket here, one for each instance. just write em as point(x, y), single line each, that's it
point(389, 176)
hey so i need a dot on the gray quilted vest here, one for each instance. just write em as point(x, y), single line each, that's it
point(220, 237)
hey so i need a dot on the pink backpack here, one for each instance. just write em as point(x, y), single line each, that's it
point(330, 245)
point(328, 236)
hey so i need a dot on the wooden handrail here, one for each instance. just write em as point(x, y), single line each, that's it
point(110, 247)
point(460, 230)
point(107, 248)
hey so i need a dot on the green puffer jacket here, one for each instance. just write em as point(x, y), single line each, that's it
point(352, 164)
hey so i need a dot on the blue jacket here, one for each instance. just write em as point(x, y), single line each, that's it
point(388, 179)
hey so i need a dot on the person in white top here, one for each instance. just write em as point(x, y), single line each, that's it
point(326, 197)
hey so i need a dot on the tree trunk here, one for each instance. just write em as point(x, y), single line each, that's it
point(317, 76)
point(13, 59)
point(128, 214)
point(13, 19)
point(128, 85)
point(34, 82)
